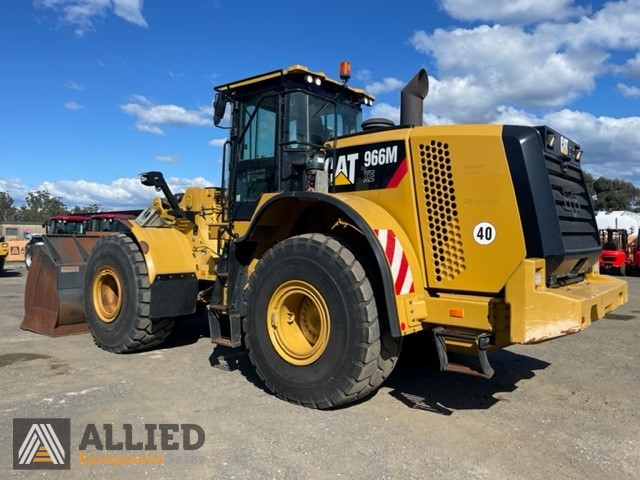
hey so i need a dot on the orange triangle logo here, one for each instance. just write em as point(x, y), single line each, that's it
point(42, 456)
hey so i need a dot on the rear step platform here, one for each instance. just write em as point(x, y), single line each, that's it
point(482, 340)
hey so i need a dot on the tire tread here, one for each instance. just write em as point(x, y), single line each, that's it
point(145, 333)
point(375, 357)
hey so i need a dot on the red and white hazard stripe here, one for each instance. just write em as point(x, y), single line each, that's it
point(402, 277)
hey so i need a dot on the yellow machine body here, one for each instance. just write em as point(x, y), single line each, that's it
point(4, 252)
point(455, 179)
point(482, 234)
point(176, 245)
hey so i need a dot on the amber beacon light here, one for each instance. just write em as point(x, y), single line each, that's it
point(345, 71)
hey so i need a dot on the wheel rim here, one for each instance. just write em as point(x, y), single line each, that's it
point(107, 294)
point(298, 322)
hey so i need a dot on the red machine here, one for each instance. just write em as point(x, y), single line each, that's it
point(110, 221)
point(634, 257)
point(618, 257)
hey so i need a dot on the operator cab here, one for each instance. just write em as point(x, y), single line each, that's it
point(282, 124)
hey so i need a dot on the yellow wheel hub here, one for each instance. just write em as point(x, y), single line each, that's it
point(298, 322)
point(107, 294)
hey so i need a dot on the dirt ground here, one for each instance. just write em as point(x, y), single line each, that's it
point(565, 409)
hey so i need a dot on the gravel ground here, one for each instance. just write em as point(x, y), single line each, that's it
point(564, 409)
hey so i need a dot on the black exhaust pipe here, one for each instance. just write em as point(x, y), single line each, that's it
point(411, 99)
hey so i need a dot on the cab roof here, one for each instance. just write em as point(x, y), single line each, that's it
point(71, 218)
point(114, 215)
point(294, 73)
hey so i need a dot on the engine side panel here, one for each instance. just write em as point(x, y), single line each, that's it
point(469, 219)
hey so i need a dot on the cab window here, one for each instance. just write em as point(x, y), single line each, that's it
point(255, 166)
point(259, 122)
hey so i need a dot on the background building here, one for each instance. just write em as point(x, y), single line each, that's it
point(17, 234)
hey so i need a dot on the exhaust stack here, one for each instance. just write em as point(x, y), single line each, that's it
point(411, 99)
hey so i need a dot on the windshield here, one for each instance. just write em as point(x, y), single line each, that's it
point(64, 226)
point(315, 120)
point(275, 135)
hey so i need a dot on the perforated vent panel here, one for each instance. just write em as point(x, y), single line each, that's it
point(441, 211)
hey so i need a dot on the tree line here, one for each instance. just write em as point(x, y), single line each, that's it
point(612, 194)
point(38, 207)
point(606, 194)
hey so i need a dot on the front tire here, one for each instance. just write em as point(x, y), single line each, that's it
point(312, 327)
point(117, 298)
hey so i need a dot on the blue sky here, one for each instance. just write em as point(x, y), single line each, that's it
point(94, 92)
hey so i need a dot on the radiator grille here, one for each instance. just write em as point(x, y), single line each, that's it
point(572, 204)
point(441, 210)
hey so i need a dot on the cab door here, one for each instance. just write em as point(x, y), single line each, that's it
point(254, 170)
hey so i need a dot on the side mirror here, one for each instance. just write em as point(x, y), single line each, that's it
point(219, 106)
point(156, 180)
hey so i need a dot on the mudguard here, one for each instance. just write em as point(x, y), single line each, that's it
point(394, 255)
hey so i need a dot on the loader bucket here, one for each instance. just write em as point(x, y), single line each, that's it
point(53, 297)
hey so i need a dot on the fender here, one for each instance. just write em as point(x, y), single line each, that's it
point(369, 218)
point(171, 270)
point(165, 250)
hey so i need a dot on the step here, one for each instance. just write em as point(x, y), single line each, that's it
point(482, 340)
point(233, 322)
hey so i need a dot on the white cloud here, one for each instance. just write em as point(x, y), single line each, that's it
point(177, 75)
point(508, 73)
point(71, 85)
point(131, 11)
point(122, 193)
point(384, 110)
point(546, 66)
point(179, 184)
point(363, 75)
point(527, 69)
point(611, 145)
point(615, 26)
point(143, 127)
point(629, 90)
point(512, 11)
point(460, 100)
point(217, 142)
point(633, 67)
point(16, 189)
point(386, 85)
point(73, 106)
point(150, 117)
point(513, 116)
point(82, 15)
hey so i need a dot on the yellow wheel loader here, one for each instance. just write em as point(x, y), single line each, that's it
point(4, 252)
point(332, 238)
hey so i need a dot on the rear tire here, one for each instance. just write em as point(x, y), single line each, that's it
point(312, 327)
point(117, 298)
